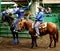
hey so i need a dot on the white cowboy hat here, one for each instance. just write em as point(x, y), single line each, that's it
point(15, 5)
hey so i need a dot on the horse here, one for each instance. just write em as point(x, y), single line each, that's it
point(10, 20)
point(7, 18)
point(50, 29)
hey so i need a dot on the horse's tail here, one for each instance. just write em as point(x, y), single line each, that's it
point(57, 35)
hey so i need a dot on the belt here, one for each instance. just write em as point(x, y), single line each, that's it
point(39, 20)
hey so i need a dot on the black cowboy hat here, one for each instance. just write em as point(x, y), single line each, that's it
point(40, 7)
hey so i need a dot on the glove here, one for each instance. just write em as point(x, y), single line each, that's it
point(11, 13)
point(30, 3)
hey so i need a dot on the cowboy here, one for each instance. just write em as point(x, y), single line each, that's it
point(39, 18)
point(20, 13)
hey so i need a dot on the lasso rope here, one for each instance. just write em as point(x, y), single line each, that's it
point(28, 3)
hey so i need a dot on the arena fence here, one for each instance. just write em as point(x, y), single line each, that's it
point(5, 31)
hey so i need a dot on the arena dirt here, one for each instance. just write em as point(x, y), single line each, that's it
point(25, 44)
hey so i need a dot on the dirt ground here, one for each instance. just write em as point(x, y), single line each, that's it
point(25, 44)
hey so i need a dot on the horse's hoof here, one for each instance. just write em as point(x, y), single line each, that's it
point(31, 46)
point(18, 41)
point(14, 42)
point(54, 46)
point(48, 47)
point(36, 45)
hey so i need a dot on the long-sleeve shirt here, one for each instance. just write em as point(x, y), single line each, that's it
point(20, 11)
point(40, 16)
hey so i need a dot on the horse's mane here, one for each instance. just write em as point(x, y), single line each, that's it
point(28, 24)
point(9, 19)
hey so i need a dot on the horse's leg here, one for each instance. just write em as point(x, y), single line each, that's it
point(35, 41)
point(32, 41)
point(54, 41)
point(51, 39)
point(17, 37)
point(13, 35)
point(14, 41)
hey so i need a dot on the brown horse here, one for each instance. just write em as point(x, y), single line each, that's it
point(50, 29)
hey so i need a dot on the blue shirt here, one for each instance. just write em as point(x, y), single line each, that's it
point(40, 16)
point(20, 12)
point(15, 10)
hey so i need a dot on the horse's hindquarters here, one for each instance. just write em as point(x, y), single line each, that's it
point(51, 27)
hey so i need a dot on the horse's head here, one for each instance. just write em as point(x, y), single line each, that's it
point(21, 24)
point(7, 17)
point(4, 17)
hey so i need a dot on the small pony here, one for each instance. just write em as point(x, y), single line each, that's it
point(50, 29)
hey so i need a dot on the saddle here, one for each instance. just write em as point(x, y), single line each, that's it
point(41, 26)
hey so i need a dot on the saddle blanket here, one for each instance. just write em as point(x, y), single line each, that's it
point(42, 25)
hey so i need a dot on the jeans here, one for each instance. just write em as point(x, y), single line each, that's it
point(36, 27)
point(15, 24)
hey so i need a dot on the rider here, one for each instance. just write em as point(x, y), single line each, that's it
point(39, 18)
point(20, 13)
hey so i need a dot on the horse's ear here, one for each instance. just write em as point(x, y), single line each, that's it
point(22, 19)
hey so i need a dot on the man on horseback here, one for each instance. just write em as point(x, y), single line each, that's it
point(39, 18)
point(20, 13)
